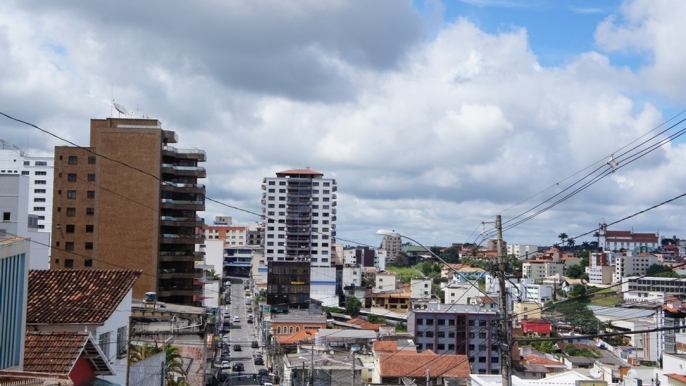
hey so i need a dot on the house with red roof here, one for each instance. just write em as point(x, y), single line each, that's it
point(97, 302)
point(391, 367)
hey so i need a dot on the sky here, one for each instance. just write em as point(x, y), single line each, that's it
point(432, 116)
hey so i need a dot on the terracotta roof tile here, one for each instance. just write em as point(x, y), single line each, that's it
point(537, 360)
point(415, 365)
point(296, 337)
point(364, 325)
point(53, 352)
point(76, 296)
point(385, 345)
point(678, 377)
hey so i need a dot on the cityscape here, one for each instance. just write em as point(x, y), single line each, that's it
point(434, 193)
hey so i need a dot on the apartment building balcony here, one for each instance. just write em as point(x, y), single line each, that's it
point(297, 233)
point(171, 238)
point(169, 186)
point(298, 192)
point(293, 209)
point(181, 256)
point(188, 290)
point(298, 217)
point(180, 274)
point(195, 154)
point(182, 221)
point(188, 171)
point(299, 201)
point(168, 203)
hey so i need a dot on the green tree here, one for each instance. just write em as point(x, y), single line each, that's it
point(657, 268)
point(174, 362)
point(562, 236)
point(212, 274)
point(578, 290)
point(451, 255)
point(575, 271)
point(401, 327)
point(570, 243)
point(376, 319)
point(401, 260)
point(352, 306)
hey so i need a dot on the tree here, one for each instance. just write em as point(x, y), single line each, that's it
point(401, 260)
point(451, 255)
point(376, 319)
point(174, 362)
point(571, 242)
point(562, 236)
point(352, 306)
point(578, 290)
point(575, 271)
point(212, 275)
point(657, 268)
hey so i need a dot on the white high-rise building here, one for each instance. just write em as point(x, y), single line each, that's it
point(300, 225)
point(40, 171)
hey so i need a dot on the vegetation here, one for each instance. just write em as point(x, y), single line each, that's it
point(577, 291)
point(329, 310)
point(401, 260)
point(352, 306)
point(608, 301)
point(429, 269)
point(174, 368)
point(376, 319)
point(575, 313)
point(401, 327)
point(212, 274)
point(571, 350)
point(575, 271)
point(451, 255)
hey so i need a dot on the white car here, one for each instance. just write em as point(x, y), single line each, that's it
point(225, 365)
point(236, 319)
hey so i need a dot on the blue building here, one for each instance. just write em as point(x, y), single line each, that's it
point(14, 274)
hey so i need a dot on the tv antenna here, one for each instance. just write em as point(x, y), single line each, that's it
point(121, 109)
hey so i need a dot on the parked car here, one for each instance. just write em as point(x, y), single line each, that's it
point(262, 372)
point(225, 365)
point(238, 366)
point(250, 319)
point(237, 347)
point(236, 319)
point(259, 361)
point(254, 344)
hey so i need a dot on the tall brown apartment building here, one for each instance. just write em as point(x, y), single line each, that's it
point(137, 214)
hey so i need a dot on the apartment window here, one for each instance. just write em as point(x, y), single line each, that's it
point(40, 173)
point(451, 334)
point(472, 335)
point(451, 347)
point(39, 199)
point(482, 359)
point(71, 212)
point(68, 246)
point(270, 205)
point(41, 217)
point(429, 322)
point(39, 209)
point(88, 245)
point(440, 334)
point(440, 346)
point(25, 173)
point(6, 216)
point(121, 342)
point(271, 182)
point(39, 190)
point(471, 347)
point(70, 228)
point(72, 160)
point(482, 323)
point(90, 211)
point(429, 346)
point(40, 182)
point(326, 184)
point(71, 194)
point(40, 163)
point(282, 206)
point(89, 228)
point(91, 177)
point(104, 343)
point(429, 334)
point(495, 359)
point(68, 263)
point(482, 335)
point(71, 177)
point(88, 263)
point(482, 347)
point(27, 163)
point(91, 159)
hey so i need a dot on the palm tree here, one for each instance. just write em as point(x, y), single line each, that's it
point(212, 274)
point(571, 242)
point(562, 236)
point(138, 353)
point(174, 367)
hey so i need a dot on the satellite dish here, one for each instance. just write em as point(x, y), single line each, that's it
point(596, 373)
point(120, 108)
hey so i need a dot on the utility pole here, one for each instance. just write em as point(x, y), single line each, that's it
point(505, 344)
point(428, 378)
point(353, 353)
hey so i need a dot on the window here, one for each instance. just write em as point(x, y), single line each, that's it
point(39, 190)
point(88, 263)
point(72, 160)
point(429, 346)
point(6, 216)
point(451, 347)
point(495, 359)
point(68, 246)
point(451, 334)
point(71, 212)
point(40, 182)
point(25, 173)
point(88, 245)
point(71, 177)
point(40, 173)
point(429, 334)
point(104, 343)
point(121, 340)
point(482, 323)
point(71, 194)
point(472, 335)
point(39, 209)
point(91, 177)
point(471, 323)
point(441, 322)
point(39, 199)
point(70, 228)
point(91, 159)
point(90, 211)
point(38, 163)
point(89, 228)
point(90, 194)
point(440, 334)
point(440, 346)
point(27, 163)
point(68, 263)
point(482, 359)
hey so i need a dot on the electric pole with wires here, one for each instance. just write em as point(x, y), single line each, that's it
point(505, 326)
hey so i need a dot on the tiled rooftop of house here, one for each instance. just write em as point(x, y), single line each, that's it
point(76, 296)
point(365, 325)
point(537, 360)
point(677, 377)
point(297, 337)
point(415, 365)
point(56, 352)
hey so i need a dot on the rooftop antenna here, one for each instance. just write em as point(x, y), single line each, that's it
point(120, 108)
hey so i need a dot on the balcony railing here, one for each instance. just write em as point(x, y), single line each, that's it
point(181, 185)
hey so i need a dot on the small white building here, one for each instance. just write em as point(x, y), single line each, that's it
point(460, 293)
point(420, 288)
point(522, 251)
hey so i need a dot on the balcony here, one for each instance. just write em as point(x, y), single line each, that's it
point(195, 154)
point(299, 201)
point(170, 186)
point(181, 256)
point(300, 192)
point(181, 221)
point(298, 209)
point(191, 171)
point(171, 238)
point(167, 203)
point(180, 274)
point(188, 290)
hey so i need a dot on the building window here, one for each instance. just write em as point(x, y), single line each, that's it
point(69, 246)
point(68, 263)
point(482, 335)
point(40, 173)
point(451, 334)
point(71, 177)
point(88, 245)
point(25, 173)
point(27, 163)
point(71, 212)
point(90, 194)
point(40, 182)
point(90, 211)
point(89, 228)
point(71, 194)
point(39, 190)
point(88, 263)
point(482, 359)
point(121, 341)
point(39, 199)
point(91, 177)
point(91, 159)
point(6, 216)
point(70, 228)
point(72, 160)
point(39, 209)
point(104, 343)
point(495, 359)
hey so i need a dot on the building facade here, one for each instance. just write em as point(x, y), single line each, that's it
point(14, 279)
point(131, 200)
point(627, 240)
point(393, 245)
point(39, 171)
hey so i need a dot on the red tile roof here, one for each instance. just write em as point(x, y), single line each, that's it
point(678, 377)
point(76, 296)
point(385, 345)
point(536, 360)
point(296, 337)
point(364, 325)
point(56, 352)
point(415, 365)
